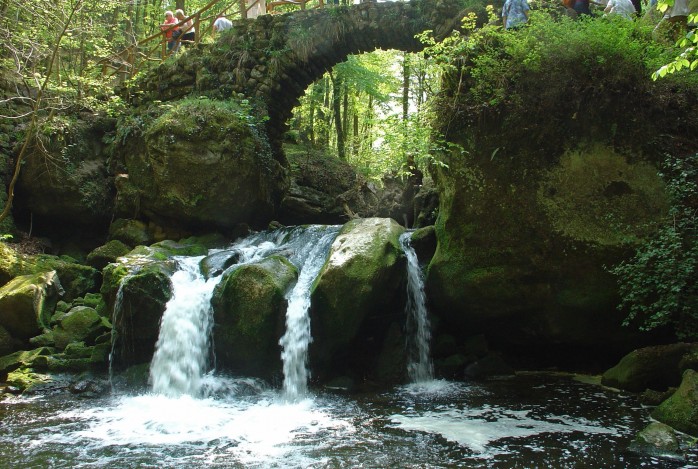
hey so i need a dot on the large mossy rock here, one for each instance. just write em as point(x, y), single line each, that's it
point(556, 179)
point(106, 254)
point(136, 291)
point(27, 303)
point(249, 307)
point(204, 163)
point(76, 279)
point(680, 411)
point(659, 367)
point(68, 184)
point(357, 295)
point(23, 358)
point(80, 324)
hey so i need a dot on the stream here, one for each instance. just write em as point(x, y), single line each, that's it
point(531, 420)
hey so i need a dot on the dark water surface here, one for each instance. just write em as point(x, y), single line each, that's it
point(530, 421)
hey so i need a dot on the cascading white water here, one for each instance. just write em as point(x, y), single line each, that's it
point(309, 256)
point(419, 366)
point(181, 352)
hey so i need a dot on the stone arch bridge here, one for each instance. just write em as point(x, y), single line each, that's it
point(275, 58)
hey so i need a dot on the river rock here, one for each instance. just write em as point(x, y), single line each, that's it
point(423, 241)
point(103, 255)
point(23, 358)
point(136, 292)
point(658, 367)
point(680, 411)
point(81, 323)
point(249, 307)
point(657, 439)
point(216, 263)
point(27, 303)
point(358, 293)
point(130, 232)
point(8, 344)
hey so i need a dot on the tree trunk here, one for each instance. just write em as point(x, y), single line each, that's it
point(405, 85)
point(337, 108)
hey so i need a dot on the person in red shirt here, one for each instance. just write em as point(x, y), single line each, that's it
point(168, 29)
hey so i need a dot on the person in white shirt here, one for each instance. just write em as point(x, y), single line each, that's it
point(624, 8)
point(221, 24)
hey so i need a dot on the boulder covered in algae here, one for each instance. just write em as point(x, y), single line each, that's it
point(249, 307)
point(358, 294)
point(680, 411)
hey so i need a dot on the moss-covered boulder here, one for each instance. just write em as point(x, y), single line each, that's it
point(249, 307)
point(81, 323)
point(28, 381)
point(658, 367)
point(551, 185)
point(680, 411)
point(358, 294)
point(136, 291)
point(23, 358)
point(656, 439)
point(76, 279)
point(205, 163)
point(103, 255)
point(27, 303)
point(130, 232)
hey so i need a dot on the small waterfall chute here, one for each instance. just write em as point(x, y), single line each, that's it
point(309, 254)
point(420, 368)
point(182, 350)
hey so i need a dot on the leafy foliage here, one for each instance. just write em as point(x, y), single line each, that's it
point(688, 58)
point(658, 285)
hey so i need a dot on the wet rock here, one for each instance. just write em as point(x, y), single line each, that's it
point(423, 241)
point(489, 366)
point(358, 293)
point(216, 263)
point(657, 439)
point(680, 411)
point(136, 291)
point(658, 367)
point(27, 303)
point(90, 387)
point(249, 312)
point(26, 380)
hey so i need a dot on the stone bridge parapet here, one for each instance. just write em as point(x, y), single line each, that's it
point(275, 58)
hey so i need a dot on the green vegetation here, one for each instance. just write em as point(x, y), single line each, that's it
point(658, 285)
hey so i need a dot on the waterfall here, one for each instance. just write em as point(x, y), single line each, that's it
point(182, 349)
point(309, 256)
point(418, 331)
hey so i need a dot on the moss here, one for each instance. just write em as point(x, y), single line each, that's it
point(25, 379)
point(249, 305)
point(680, 411)
point(598, 196)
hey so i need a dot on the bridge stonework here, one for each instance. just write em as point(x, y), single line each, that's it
point(275, 58)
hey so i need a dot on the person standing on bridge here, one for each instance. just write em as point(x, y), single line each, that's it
point(221, 24)
point(515, 13)
point(188, 30)
point(168, 28)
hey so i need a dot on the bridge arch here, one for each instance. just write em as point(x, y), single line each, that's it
point(276, 57)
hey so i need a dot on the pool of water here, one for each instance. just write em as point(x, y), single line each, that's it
point(529, 421)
